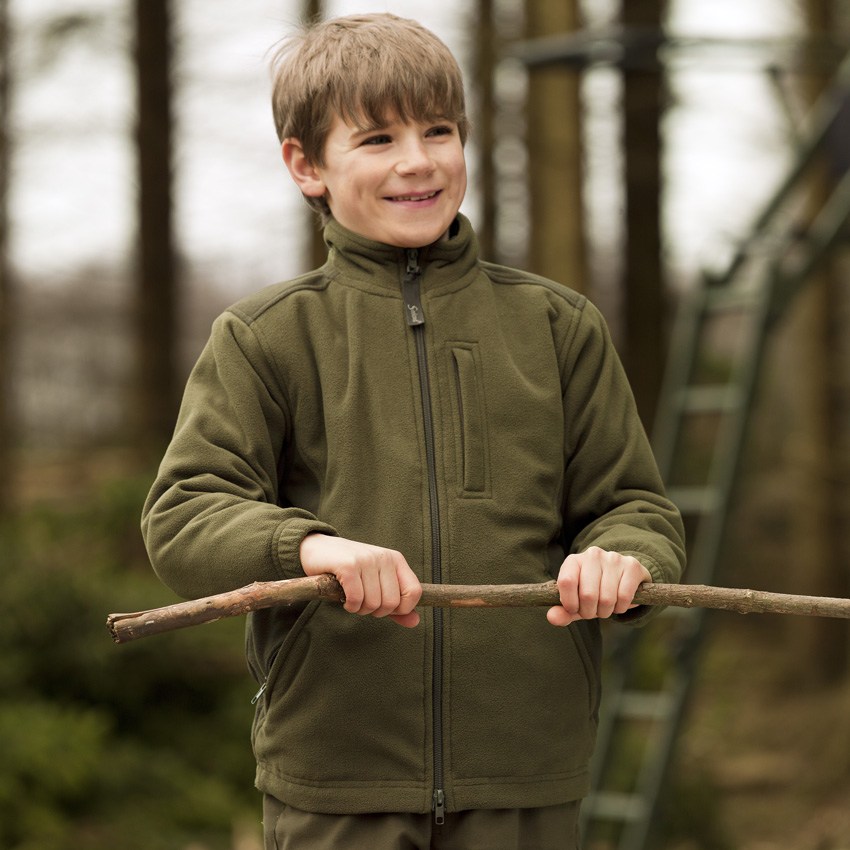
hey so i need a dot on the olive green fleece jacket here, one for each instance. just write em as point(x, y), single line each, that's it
point(483, 427)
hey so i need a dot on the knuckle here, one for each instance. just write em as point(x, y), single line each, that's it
point(568, 576)
point(607, 600)
point(367, 607)
point(631, 563)
point(389, 603)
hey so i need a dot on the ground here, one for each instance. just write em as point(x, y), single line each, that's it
point(769, 759)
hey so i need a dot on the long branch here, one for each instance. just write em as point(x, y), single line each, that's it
point(127, 627)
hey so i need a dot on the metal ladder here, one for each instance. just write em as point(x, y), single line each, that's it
point(711, 381)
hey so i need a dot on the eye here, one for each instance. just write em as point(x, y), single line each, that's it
point(377, 139)
point(441, 130)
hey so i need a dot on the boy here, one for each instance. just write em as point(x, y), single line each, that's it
point(410, 413)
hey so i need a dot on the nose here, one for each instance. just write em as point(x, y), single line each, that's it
point(414, 158)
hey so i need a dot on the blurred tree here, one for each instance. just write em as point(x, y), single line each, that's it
point(156, 383)
point(6, 411)
point(818, 446)
point(317, 252)
point(557, 244)
point(482, 95)
point(643, 285)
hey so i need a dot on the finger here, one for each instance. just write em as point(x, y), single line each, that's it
point(610, 584)
point(568, 579)
point(372, 590)
point(352, 587)
point(388, 587)
point(634, 575)
point(409, 621)
point(588, 588)
point(410, 588)
point(559, 616)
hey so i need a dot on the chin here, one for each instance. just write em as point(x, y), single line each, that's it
point(418, 239)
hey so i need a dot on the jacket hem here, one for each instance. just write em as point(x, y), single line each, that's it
point(517, 794)
point(344, 799)
point(377, 797)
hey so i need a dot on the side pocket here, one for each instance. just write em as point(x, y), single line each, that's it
point(474, 456)
point(587, 638)
point(283, 652)
point(274, 677)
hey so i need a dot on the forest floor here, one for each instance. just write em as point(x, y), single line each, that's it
point(763, 760)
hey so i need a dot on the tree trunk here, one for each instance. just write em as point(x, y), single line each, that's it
point(155, 384)
point(643, 286)
point(814, 453)
point(483, 96)
point(6, 304)
point(557, 245)
point(317, 251)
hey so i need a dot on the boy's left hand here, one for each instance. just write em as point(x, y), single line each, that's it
point(596, 583)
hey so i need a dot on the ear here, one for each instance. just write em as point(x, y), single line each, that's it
point(306, 176)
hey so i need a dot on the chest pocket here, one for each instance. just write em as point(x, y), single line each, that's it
point(473, 451)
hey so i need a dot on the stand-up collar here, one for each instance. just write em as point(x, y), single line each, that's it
point(451, 260)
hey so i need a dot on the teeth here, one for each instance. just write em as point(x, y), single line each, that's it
point(415, 197)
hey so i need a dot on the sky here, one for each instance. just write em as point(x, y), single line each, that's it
point(241, 222)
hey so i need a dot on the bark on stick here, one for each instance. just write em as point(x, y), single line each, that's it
point(127, 627)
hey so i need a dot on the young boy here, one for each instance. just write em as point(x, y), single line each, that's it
point(410, 413)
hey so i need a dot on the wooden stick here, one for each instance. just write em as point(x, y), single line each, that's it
point(127, 627)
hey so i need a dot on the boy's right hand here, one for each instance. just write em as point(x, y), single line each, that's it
point(376, 581)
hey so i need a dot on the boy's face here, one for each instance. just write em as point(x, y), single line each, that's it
point(401, 184)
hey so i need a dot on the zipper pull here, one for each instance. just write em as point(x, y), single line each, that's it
point(412, 269)
point(260, 692)
point(439, 806)
point(410, 290)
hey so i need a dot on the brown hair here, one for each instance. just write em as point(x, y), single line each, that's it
point(361, 67)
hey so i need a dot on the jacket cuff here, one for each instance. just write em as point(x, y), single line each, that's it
point(288, 543)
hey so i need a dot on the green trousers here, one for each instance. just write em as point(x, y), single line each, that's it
point(546, 828)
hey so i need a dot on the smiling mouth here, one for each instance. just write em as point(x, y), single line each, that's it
point(424, 196)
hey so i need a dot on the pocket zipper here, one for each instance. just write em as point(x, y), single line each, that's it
point(256, 697)
point(265, 684)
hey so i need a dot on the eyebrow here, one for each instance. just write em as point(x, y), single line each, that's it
point(372, 126)
point(365, 124)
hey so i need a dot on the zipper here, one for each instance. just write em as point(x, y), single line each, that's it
point(256, 698)
point(415, 318)
point(413, 313)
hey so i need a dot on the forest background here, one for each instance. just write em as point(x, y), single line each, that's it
point(141, 191)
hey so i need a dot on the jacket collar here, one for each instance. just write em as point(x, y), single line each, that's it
point(449, 262)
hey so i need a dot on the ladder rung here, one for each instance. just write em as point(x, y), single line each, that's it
point(613, 806)
point(720, 298)
point(694, 500)
point(644, 705)
point(710, 399)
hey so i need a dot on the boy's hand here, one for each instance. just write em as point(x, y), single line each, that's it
point(596, 583)
point(376, 581)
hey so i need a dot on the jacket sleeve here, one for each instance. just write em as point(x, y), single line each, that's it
point(614, 497)
point(212, 521)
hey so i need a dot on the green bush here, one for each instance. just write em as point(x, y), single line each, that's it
point(140, 746)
